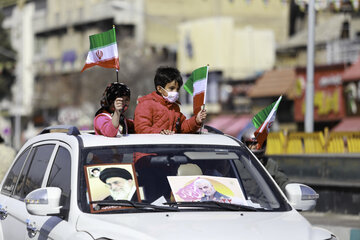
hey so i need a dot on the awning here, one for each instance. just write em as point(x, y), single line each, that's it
point(221, 122)
point(352, 73)
point(230, 124)
point(275, 83)
point(349, 124)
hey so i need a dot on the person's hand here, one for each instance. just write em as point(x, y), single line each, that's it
point(118, 104)
point(167, 132)
point(201, 116)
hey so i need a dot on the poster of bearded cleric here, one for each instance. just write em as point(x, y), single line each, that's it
point(206, 188)
point(111, 182)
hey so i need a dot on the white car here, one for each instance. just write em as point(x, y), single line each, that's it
point(71, 185)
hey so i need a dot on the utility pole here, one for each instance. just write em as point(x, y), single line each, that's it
point(18, 96)
point(309, 94)
point(23, 88)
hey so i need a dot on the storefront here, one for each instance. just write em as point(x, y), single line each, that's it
point(328, 96)
point(351, 93)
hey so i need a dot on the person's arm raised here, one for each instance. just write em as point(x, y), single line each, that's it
point(118, 105)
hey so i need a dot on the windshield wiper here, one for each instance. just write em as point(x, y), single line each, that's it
point(137, 205)
point(213, 204)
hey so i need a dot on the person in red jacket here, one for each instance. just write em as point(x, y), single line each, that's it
point(110, 120)
point(159, 112)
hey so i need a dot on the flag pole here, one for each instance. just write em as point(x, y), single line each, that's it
point(203, 107)
point(202, 124)
point(117, 71)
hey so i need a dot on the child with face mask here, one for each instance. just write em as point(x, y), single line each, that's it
point(110, 120)
point(159, 112)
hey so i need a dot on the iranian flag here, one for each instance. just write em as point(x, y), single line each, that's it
point(263, 121)
point(196, 86)
point(103, 51)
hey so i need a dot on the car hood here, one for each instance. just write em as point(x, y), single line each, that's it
point(201, 225)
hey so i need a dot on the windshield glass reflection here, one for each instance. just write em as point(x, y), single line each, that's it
point(159, 176)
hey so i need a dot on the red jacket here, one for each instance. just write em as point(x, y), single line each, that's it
point(154, 114)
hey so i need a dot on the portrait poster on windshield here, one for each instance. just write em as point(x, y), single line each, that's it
point(111, 182)
point(206, 188)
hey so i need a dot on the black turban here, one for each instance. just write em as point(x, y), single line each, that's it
point(114, 172)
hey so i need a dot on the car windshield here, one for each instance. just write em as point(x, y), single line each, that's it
point(175, 177)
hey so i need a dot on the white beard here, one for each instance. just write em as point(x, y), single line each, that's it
point(123, 194)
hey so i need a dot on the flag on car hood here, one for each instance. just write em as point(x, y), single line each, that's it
point(196, 86)
point(103, 51)
point(263, 121)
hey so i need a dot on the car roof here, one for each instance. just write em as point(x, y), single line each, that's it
point(90, 140)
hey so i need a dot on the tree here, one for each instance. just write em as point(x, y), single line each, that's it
point(7, 63)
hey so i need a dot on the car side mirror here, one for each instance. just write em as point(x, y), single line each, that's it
point(301, 197)
point(43, 201)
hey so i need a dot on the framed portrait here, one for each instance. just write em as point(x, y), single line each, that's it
point(111, 182)
point(206, 188)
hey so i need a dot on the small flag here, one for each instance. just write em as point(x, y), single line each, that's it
point(196, 86)
point(263, 121)
point(103, 51)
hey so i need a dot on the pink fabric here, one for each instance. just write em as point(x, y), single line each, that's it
point(237, 125)
point(230, 124)
point(103, 125)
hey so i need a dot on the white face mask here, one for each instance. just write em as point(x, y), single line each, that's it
point(172, 96)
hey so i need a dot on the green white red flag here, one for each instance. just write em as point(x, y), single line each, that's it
point(196, 86)
point(103, 51)
point(263, 121)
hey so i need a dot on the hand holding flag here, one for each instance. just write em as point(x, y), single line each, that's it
point(263, 121)
point(196, 86)
point(103, 51)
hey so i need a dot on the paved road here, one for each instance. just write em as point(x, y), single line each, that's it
point(345, 227)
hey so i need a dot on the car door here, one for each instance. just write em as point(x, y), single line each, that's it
point(10, 225)
point(15, 225)
point(58, 175)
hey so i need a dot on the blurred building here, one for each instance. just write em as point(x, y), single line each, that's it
point(337, 46)
point(163, 17)
point(52, 41)
point(351, 93)
point(234, 56)
point(242, 41)
point(236, 38)
point(336, 41)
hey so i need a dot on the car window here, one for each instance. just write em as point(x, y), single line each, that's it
point(178, 173)
point(12, 177)
point(60, 176)
point(33, 172)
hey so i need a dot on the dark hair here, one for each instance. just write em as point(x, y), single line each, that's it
point(112, 91)
point(165, 75)
point(114, 172)
point(1, 139)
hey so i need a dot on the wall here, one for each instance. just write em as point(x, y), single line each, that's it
point(237, 53)
point(163, 16)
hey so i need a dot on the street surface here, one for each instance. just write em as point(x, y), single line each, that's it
point(345, 227)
